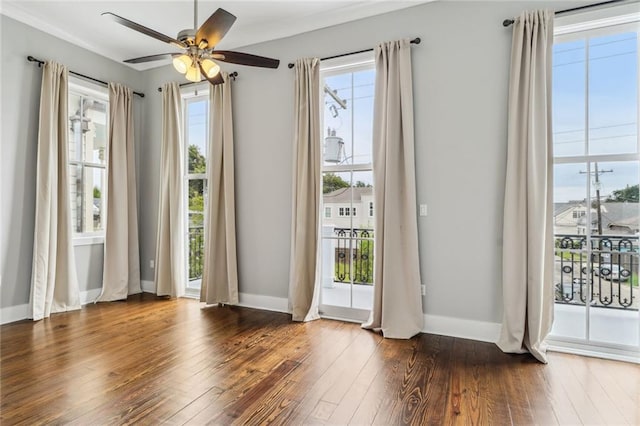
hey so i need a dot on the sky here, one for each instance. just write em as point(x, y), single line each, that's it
point(612, 109)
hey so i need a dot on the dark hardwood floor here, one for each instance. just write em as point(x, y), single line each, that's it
point(155, 361)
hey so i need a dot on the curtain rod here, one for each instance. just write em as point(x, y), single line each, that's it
point(414, 41)
point(233, 76)
point(40, 62)
point(508, 22)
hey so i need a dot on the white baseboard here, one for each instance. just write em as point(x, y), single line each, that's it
point(21, 312)
point(89, 296)
point(148, 286)
point(14, 313)
point(463, 328)
point(267, 303)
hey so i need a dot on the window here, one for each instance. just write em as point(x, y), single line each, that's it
point(327, 212)
point(196, 125)
point(88, 109)
point(597, 174)
point(345, 211)
point(347, 184)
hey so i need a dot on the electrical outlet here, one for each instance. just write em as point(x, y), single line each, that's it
point(152, 264)
point(424, 289)
point(423, 209)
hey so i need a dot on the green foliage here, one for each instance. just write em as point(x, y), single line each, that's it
point(197, 162)
point(361, 184)
point(96, 192)
point(331, 182)
point(628, 194)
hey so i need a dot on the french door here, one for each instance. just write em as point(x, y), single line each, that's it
point(196, 122)
point(347, 184)
point(596, 183)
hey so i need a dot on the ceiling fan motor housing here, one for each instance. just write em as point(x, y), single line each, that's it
point(187, 36)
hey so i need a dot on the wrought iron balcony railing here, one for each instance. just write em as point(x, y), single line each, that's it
point(196, 252)
point(353, 250)
point(611, 270)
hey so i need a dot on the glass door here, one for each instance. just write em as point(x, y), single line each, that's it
point(596, 182)
point(347, 185)
point(196, 119)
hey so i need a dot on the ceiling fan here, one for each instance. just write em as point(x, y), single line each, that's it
point(198, 45)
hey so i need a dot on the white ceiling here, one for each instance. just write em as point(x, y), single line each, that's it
point(81, 23)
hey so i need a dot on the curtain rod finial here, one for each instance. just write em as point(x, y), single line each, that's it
point(291, 65)
point(507, 22)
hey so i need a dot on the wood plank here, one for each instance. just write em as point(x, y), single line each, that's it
point(152, 360)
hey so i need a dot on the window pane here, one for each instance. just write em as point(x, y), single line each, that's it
point(95, 136)
point(75, 127)
point(197, 132)
point(569, 98)
point(338, 130)
point(613, 94)
point(363, 90)
point(94, 208)
point(76, 188)
point(196, 229)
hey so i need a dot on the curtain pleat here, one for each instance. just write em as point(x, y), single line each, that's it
point(527, 276)
point(121, 273)
point(304, 274)
point(169, 277)
point(397, 300)
point(54, 282)
point(220, 273)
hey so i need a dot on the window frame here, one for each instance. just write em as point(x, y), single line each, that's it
point(191, 94)
point(584, 26)
point(88, 89)
point(349, 64)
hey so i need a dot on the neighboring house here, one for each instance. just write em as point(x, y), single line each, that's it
point(349, 207)
point(617, 218)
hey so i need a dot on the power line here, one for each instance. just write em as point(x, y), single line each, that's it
point(595, 59)
point(595, 139)
point(595, 45)
point(595, 128)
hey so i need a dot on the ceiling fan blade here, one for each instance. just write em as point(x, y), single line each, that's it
point(144, 30)
point(245, 59)
point(215, 28)
point(216, 79)
point(150, 58)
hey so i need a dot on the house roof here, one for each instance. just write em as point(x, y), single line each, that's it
point(343, 195)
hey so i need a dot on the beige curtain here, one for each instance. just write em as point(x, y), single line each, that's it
point(170, 272)
point(304, 273)
point(121, 273)
point(54, 282)
point(527, 260)
point(397, 300)
point(220, 273)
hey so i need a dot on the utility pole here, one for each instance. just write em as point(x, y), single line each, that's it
point(597, 174)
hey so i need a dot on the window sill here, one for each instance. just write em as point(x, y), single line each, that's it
point(88, 240)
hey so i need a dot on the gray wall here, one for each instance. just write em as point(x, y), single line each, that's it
point(20, 93)
point(460, 77)
point(460, 100)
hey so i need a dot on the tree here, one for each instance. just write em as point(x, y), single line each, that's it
point(96, 192)
point(630, 194)
point(361, 184)
point(197, 163)
point(331, 182)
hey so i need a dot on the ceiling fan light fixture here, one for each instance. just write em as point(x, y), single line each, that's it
point(210, 68)
point(182, 63)
point(193, 73)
